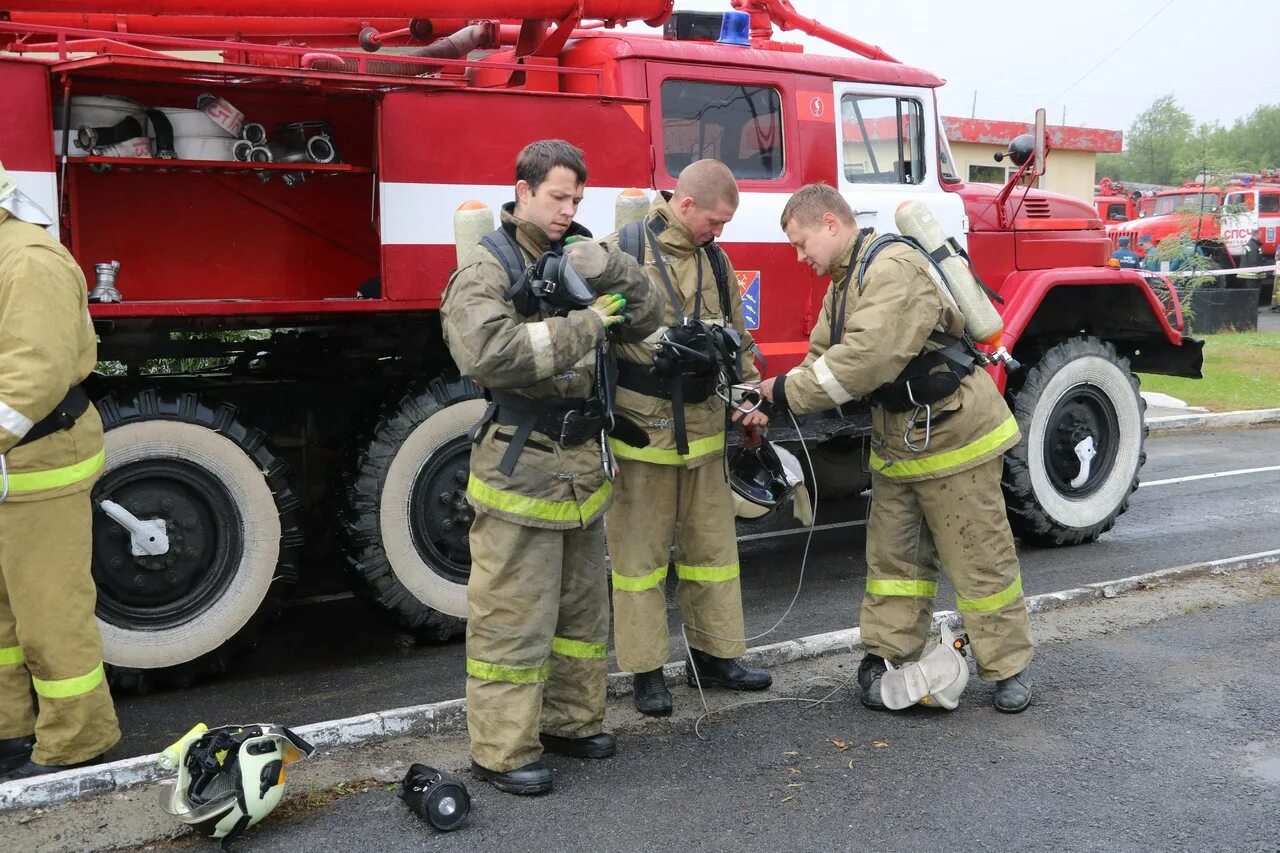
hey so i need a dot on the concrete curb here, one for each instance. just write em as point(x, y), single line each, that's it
point(1212, 420)
point(451, 716)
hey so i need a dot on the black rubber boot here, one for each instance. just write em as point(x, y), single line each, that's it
point(603, 745)
point(651, 695)
point(533, 778)
point(728, 673)
point(15, 752)
point(870, 671)
point(30, 769)
point(1013, 694)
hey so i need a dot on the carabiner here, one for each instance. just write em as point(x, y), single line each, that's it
point(913, 420)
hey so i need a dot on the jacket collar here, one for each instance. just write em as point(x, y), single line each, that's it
point(846, 259)
point(674, 239)
point(530, 237)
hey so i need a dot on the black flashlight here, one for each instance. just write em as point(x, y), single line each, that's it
point(437, 797)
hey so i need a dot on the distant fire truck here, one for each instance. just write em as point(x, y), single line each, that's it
point(1220, 219)
point(274, 208)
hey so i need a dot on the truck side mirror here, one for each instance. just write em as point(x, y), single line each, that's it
point(1041, 144)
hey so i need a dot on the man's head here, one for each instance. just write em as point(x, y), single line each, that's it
point(1124, 242)
point(550, 177)
point(705, 199)
point(819, 224)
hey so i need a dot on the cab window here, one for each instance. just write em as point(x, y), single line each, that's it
point(883, 139)
point(1269, 203)
point(739, 125)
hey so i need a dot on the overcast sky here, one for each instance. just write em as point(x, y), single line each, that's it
point(1217, 58)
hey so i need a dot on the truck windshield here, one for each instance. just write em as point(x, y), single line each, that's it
point(1182, 202)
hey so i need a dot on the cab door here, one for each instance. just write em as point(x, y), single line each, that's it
point(887, 152)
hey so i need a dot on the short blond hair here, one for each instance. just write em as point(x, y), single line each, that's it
point(808, 204)
point(709, 183)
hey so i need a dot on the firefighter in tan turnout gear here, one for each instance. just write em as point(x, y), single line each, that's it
point(538, 600)
point(674, 492)
point(50, 456)
point(936, 485)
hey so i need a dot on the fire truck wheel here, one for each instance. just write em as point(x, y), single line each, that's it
point(407, 518)
point(1083, 432)
point(232, 532)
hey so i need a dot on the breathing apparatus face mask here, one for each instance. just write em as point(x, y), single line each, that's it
point(552, 285)
point(695, 348)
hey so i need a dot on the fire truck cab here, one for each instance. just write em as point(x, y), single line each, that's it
point(273, 380)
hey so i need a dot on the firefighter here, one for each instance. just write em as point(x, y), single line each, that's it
point(55, 708)
point(674, 493)
point(935, 473)
point(538, 600)
point(1126, 257)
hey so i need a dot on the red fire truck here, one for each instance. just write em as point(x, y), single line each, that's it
point(1114, 203)
point(1221, 219)
point(274, 383)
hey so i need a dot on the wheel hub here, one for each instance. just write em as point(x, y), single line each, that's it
point(439, 515)
point(205, 544)
point(1081, 441)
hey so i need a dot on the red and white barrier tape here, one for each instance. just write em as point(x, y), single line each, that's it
point(1271, 268)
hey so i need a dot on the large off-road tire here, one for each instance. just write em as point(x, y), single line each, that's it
point(407, 518)
point(233, 533)
point(1079, 389)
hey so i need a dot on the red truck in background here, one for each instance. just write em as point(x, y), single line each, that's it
point(274, 383)
point(1220, 219)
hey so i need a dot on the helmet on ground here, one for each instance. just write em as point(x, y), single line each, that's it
point(231, 777)
point(762, 478)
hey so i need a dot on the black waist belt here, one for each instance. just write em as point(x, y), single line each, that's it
point(63, 416)
point(640, 378)
point(568, 421)
point(921, 383)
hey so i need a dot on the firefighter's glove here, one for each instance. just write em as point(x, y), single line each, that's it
point(609, 308)
point(588, 257)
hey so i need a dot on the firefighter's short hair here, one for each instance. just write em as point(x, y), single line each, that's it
point(811, 201)
point(709, 183)
point(536, 160)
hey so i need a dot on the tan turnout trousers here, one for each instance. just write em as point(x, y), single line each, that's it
point(654, 506)
point(537, 638)
point(50, 648)
point(957, 523)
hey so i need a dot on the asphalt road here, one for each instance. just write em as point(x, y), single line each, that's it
point(1157, 736)
point(338, 658)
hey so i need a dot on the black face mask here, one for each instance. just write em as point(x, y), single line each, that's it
point(551, 285)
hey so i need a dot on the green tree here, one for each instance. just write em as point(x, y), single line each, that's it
point(1156, 139)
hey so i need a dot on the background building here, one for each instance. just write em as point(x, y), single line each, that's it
point(1071, 161)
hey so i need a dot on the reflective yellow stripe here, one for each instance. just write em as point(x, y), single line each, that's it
point(56, 478)
point(578, 649)
point(707, 574)
point(640, 584)
point(515, 504)
point(65, 688)
point(511, 674)
point(912, 589)
point(659, 456)
point(950, 459)
point(1004, 597)
point(9, 655)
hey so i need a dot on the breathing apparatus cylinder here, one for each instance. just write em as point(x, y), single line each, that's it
point(983, 323)
point(471, 221)
point(631, 206)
